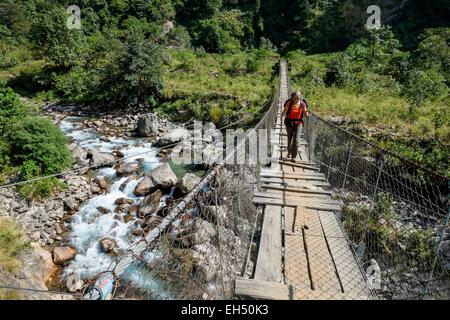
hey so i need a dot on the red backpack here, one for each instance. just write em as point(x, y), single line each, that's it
point(295, 115)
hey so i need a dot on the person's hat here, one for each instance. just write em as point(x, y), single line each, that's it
point(297, 94)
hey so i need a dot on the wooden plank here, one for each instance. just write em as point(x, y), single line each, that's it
point(296, 263)
point(323, 273)
point(290, 203)
point(298, 165)
point(283, 175)
point(302, 294)
point(259, 289)
point(299, 184)
point(296, 190)
point(296, 198)
point(299, 161)
point(268, 264)
point(350, 274)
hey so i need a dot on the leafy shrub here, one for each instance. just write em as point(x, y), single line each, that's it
point(41, 189)
point(39, 140)
point(4, 154)
point(11, 108)
point(423, 85)
point(419, 245)
point(339, 71)
point(29, 170)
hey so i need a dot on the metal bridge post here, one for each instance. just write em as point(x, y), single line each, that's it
point(331, 158)
point(435, 260)
point(350, 149)
point(361, 247)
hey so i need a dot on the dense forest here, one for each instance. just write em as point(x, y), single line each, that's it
point(213, 59)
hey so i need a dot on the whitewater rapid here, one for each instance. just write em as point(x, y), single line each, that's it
point(88, 225)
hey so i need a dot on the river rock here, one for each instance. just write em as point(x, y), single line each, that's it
point(79, 154)
point(337, 120)
point(148, 125)
point(98, 159)
point(163, 177)
point(128, 217)
point(173, 136)
point(108, 245)
point(62, 255)
point(71, 205)
point(138, 232)
point(74, 283)
point(206, 260)
point(144, 187)
point(204, 231)
point(151, 222)
point(122, 201)
point(126, 169)
point(104, 210)
point(189, 182)
point(211, 154)
point(150, 204)
point(102, 182)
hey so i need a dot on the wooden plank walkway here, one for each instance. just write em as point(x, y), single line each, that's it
point(303, 252)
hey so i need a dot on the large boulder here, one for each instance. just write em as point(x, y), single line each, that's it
point(148, 125)
point(173, 136)
point(62, 255)
point(108, 245)
point(188, 182)
point(79, 154)
point(150, 204)
point(126, 169)
point(212, 153)
point(144, 187)
point(163, 177)
point(206, 260)
point(204, 231)
point(99, 159)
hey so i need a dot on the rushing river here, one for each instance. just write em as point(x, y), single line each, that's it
point(88, 224)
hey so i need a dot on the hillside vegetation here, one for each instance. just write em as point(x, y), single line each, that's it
point(213, 59)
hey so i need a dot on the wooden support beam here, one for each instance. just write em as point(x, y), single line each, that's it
point(258, 289)
point(296, 190)
point(290, 203)
point(268, 265)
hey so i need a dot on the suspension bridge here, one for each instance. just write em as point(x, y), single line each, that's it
point(301, 245)
point(346, 220)
point(303, 253)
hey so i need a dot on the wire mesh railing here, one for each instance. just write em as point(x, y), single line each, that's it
point(394, 212)
point(200, 243)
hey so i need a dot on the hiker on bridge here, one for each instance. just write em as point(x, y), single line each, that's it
point(294, 110)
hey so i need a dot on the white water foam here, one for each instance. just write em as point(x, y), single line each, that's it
point(89, 225)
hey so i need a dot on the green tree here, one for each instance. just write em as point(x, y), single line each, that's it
point(433, 50)
point(423, 85)
point(135, 73)
point(58, 43)
point(221, 33)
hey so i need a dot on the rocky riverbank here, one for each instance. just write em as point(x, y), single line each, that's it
point(122, 190)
